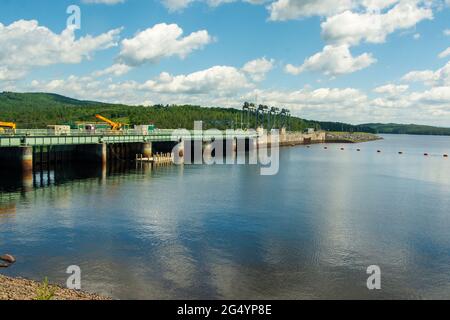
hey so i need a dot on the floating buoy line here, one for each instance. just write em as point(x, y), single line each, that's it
point(425, 154)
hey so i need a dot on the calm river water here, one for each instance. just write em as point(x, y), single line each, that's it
point(225, 232)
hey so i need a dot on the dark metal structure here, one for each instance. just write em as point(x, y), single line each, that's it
point(265, 117)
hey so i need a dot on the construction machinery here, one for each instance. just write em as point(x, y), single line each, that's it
point(8, 125)
point(115, 126)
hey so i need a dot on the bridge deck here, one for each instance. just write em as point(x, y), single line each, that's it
point(44, 138)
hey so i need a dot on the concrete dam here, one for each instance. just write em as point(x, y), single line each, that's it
point(27, 150)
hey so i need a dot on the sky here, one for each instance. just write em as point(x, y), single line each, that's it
point(355, 61)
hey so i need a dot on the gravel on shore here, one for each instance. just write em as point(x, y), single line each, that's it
point(22, 289)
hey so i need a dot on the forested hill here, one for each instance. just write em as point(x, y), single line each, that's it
point(37, 110)
point(408, 129)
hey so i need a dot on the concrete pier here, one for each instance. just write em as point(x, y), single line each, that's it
point(179, 153)
point(147, 150)
point(92, 153)
point(17, 158)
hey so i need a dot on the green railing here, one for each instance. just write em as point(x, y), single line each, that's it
point(76, 137)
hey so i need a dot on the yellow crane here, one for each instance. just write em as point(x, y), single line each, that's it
point(115, 126)
point(8, 125)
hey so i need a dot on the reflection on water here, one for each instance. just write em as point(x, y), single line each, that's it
point(227, 232)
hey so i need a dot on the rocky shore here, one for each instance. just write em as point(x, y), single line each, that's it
point(350, 137)
point(22, 289)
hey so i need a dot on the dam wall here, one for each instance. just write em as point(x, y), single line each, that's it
point(294, 138)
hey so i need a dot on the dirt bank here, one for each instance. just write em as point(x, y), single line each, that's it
point(22, 289)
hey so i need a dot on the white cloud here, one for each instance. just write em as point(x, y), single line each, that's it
point(25, 44)
point(116, 70)
point(222, 80)
point(377, 5)
point(353, 27)
point(440, 77)
point(161, 41)
point(281, 10)
point(219, 85)
point(308, 98)
point(347, 104)
point(11, 74)
point(332, 61)
point(391, 89)
point(371, 21)
point(176, 5)
point(224, 86)
point(257, 69)
point(445, 53)
point(434, 96)
point(447, 32)
point(89, 88)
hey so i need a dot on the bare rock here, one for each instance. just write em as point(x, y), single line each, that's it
point(8, 258)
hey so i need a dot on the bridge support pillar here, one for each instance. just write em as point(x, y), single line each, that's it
point(147, 150)
point(179, 153)
point(101, 153)
point(93, 153)
point(19, 158)
point(230, 146)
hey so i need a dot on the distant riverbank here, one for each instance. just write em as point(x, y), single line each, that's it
point(22, 289)
point(351, 137)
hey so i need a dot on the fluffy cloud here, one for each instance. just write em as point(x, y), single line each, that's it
point(347, 104)
point(176, 5)
point(88, 88)
point(161, 41)
point(440, 77)
point(116, 70)
point(346, 28)
point(281, 10)
point(223, 80)
point(445, 53)
point(352, 27)
point(391, 89)
point(25, 44)
point(377, 5)
point(224, 86)
point(217, 82)
point(308, 98)
point(332, 61)
point(257, 69)
point(11, 73)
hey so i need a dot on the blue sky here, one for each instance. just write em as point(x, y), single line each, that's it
point(341, 60)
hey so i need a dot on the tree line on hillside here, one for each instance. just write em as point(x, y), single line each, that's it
point(37, 110)
point(393, 128)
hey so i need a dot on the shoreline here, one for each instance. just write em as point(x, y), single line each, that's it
point(348, 137)
point(16, 288)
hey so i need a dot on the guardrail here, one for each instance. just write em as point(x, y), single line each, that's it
point(76, 137)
